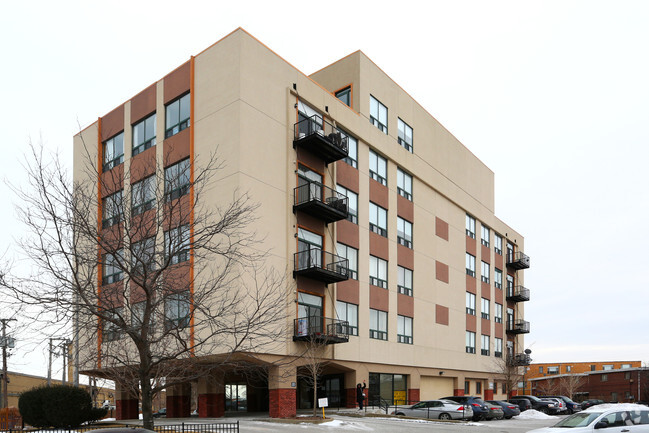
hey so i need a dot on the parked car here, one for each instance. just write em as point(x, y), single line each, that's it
point(571, 405)
point(590, 403)
point(623, 417)
point(523, 403)
point(558, 403)
point(538, 404)
point(161, 413)
point(436, 409)
point(494, 412)
point(476, 403)
point(509, 409)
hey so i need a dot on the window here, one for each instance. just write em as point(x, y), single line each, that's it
point(378, 114)
point(309, 249)
point(143, 194)
point(478, 387)
point(177, 180)
point(568, 368)
point(351, 254)
point(378, 324)
point(510, 318)
point(405, 135)
point(177, 310)
point(404, 329)
point(470, 265)
point(604, 377)
point(510, 252)
point(177, 115)
point(345, 95)
point(553, 370)
point(498, 347)
point(541, 369)
point(484, 272)
point(625, 366)
point(498, 278)
point(111, 269)
point(484, 236)
point(592, 367)
point(607, 367)
point(470, 342)
point(498, 314)
point(484, 345)
point(177, 244)
point(378, 220)
point(404, 284)
point(510, 285)
point(484, 311)
point(348, 312)
point(111, 330)
point(470, 303)
point(137, 315)
point(378, 168)
point(467, 387)
point(404, 184)
point(404, 232)
point(112, 210)
point(143, 255)
point(352, 150)
point(470, 226)
point(352, 203)
point(627, 375)
point(378, 272)
point(113, 151)
point(498, 244)
point(144, 134)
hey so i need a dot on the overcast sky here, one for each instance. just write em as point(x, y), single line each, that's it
point(552, 95)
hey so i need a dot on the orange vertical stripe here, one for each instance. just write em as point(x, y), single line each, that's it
point(100, 159)
point(191, 202)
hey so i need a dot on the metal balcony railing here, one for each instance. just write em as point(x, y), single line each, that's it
point(520, 359)
point(320, 138)
point(518, 294)
point(321, 265)
point(322, 330)
point(518, 326)
point(518, 260)
point(320, 201)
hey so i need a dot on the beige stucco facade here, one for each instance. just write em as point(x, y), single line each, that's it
point(246, 102)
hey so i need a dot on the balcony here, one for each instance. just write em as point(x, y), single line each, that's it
point(320, 202)
point(518, 261)
point(518, 327)
point(321, 330)
point(519, 360)
point(320, 138)
point(321, 265)
point(518, 294)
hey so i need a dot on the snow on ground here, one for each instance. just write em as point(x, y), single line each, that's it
point(621, 406)
point(373, 410)
point(347, 425)
point(534, 414)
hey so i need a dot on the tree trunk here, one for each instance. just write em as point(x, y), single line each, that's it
point(315, 394)
point(147, 397)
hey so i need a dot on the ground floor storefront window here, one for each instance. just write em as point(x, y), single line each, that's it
point(391, 388)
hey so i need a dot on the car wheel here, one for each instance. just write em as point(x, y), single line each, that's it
point(399, 414)
point(508, 417)
point(444, 416)
point(544, 410)
point(570, 412)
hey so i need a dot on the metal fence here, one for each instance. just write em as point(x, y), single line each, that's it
point(167, 428)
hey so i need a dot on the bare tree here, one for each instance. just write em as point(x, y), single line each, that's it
point(162, 285)
point(510, 370)
point(548, 386)
point(569, 384)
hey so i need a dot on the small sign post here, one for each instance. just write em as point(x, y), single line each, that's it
point(323, 402)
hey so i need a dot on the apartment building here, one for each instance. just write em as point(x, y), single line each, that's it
point(383, 220)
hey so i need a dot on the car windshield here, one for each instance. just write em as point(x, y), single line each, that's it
point(532, 398)
point(581, 419)
point(478, 400)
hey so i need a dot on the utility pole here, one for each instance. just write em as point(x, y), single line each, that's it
point(5, 344)
point(62, 345)
point(49, 366)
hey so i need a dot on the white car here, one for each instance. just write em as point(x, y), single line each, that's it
point(610, 418)
point(436, 409)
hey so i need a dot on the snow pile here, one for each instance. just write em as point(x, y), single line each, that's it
point(372, 410)
point(619, 406)
point(534, 414)
point(338, 424)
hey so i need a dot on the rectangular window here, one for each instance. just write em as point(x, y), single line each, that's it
point(348, 312)
point(484, 272)
point(111, 269)
point(405, 135)
point(404, 284)
point(143, 255)
point(498, 314)
point(345, 95)
point(541, 369)
point(111, 330)
point(470, 342)
point(112, 210)
point(498, 347)
point(498, 244)
point(568, 368)
point(177, 244)
point(510, 285)
point(378, 114)
point(470, 226)
point(113, 151)
point(378, 324)
point(404, 329)
point(378, 272)
point(553, 370)
point(627, 375)
point(177, 310)
point(604, 377)
point(143, 195)
point(177, 179)
point(592, 367)
point(510, 252)
point(484, 310)
point(484, 345)
point(404, 184)
point(625, 366)
point(484, 236)
point(351, 254)
point(144, 134)
point(178, 113)
point(378, 220)
point(607, 367)
point(498, 278)
point(470, 265)
point(352, 149)
point(352, 203)
point(378, 168)
point(470, 303)
point(467, 387)
point(478, 387)
point(404, 232)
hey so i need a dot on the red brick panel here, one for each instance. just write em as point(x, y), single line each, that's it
point(347, 176)
point(178, 406)
point(489, 394)
point(348, 291)
point(379, 246)
point(441, 314)
point(413, 396)
point(441, 271)
point(127, 409)
point(282, 403)
point(351, 397)
point(485, 326)
point(143, 165)
point(176, 82)
point(458, 392)
point(112, 123)
point(347, 233)
point(471, 284)
point(112, 180)
point(144, 103)
point(441, 228)
point(405, 208)
point(379, 194)
point(308, 159)
point(471, 323)
point(211, 405)
point(176, 147)
point(405, 257)
point(471, 246)
point(485, 290)
point(379, 298)
point(405, 305)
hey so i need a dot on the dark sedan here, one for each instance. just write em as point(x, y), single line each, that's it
point(509, 409)
point(592, 402)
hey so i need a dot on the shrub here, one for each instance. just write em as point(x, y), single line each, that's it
point(97, 413)
point(55, 406)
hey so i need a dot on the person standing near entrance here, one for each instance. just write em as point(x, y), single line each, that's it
point(360, 395)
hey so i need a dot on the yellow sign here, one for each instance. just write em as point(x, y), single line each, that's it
point(399, 397)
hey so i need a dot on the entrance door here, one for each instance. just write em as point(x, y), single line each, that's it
point(236, 397)
point(309, 247)
point(306, 176)
point(309, 310)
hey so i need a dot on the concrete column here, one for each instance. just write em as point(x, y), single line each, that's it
point(179, 401)
point(126, 402)
point(282, 392)
point(414, 385)
point(211, 396)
